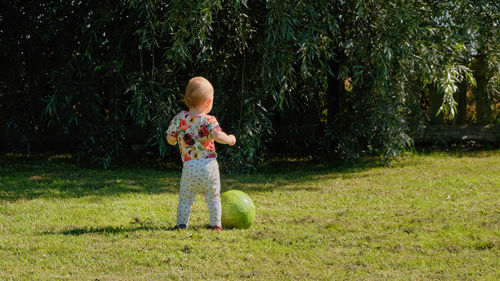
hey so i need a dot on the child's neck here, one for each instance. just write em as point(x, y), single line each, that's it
point(196, 111)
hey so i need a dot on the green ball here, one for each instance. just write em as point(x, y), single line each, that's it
point(238, 209)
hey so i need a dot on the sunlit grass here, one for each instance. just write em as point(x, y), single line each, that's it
point(423, 217)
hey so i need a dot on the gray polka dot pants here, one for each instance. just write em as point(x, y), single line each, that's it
point(200, 176)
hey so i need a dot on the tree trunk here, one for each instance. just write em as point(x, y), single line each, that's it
point(335, 94)
point(435, 102)
point(461, 99)
point(483, 104)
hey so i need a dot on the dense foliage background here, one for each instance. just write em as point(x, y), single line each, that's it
point(348, 78)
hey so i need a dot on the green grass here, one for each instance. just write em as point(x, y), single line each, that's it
point(432, 216)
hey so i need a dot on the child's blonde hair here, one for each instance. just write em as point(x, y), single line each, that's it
point(198, 91)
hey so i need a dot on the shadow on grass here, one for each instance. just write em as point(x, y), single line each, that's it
point(24, 178)
point(459, 152)
point(27, 179)
point(70, 182)
point(108, 230)
point(298, 175)
point(120, 229)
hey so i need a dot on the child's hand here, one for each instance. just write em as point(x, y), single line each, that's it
point(171, 140)
point(232, 140)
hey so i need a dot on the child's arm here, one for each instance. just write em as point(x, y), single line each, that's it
point(223, 138)
point(171, 140)
point(172, 130)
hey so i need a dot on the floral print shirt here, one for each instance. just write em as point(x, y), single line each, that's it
point(194, 135)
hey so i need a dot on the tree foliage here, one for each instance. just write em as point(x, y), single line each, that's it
point(94, 72)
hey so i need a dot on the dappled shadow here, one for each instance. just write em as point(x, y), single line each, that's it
point(35, 178)
point(40, 184)
point(30, 179)
point(298, 175)
point(26, 178)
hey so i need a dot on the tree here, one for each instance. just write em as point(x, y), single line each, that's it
point(344, 77)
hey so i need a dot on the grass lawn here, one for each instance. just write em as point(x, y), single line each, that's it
point(433, 216)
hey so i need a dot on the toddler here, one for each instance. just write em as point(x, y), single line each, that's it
point(195, 132)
